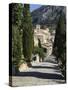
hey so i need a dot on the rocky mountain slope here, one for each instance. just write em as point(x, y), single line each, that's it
point(47, 14)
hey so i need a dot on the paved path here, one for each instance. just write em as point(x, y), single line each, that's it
point(42, 73)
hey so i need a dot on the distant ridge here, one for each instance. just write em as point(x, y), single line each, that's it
point(47, 14)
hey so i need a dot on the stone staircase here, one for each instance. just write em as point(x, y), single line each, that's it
point(43, 73)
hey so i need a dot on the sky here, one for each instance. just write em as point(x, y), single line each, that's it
point(34, 6)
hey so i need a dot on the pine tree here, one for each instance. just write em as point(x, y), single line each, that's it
point(27, 34)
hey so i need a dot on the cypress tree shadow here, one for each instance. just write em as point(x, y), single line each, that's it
point(47, 67)
point(40, 75)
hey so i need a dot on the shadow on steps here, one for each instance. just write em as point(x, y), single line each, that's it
point(46, 67)
point(40, 75)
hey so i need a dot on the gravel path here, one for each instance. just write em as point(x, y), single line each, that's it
point(42, 73)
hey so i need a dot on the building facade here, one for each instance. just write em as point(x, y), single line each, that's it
point(46, 38)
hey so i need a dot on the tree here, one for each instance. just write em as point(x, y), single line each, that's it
point(27, 35)
point(16, 45)
point(39, 50)
point(59, 48)
point(39, 43)
point(17, 11)
point(16, 33)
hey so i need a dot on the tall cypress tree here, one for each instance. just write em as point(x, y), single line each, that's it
point(27, 34)
point(17, 13)
point(60, 43)
point(16, 35)
point(60, 38)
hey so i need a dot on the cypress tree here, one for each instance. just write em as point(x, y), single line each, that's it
point(60, 36)
point(27, 34)
point(16, 45)
point(16, 35)
point(17, 13)
point(60, 43)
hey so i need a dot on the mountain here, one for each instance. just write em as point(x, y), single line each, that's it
point(47, 14)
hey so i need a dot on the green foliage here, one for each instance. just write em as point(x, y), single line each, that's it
point(17, 13)
point(60, 37)
point(27, 34)
point(39, 51)
point(39, 43)
point(16, 45)
point(16, 33)
point(60, 42)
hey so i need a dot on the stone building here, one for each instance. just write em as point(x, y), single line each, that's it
point(46, 38)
